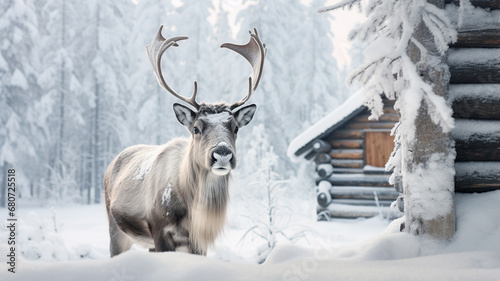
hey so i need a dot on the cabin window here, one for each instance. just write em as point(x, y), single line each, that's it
point(378, 147)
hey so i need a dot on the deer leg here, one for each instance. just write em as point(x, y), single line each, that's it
point(194, 250)
point(124, 228)
point(162, 237)
point(119, 241)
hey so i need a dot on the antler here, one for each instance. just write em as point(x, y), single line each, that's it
point(155, 50)
point(254, 52)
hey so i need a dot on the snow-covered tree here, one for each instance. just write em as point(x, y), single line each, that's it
point(19, 133)
point(225, 62)
point(149, 113)
point(57, 40)
point(197, 53)
point(314, 68)
point(292, 84)
point(77, 86)
point(271, 218)
point(405, 60)
point(107, 85)
point(50, 47)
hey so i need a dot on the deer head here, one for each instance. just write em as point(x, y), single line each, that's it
point(213, 127)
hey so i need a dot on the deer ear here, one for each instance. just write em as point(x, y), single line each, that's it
point(244, 115)
point(184, 115)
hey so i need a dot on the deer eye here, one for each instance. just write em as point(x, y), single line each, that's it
point(196, 130)
point(236, 129)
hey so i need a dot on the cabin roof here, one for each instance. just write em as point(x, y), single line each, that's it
point(304, 142)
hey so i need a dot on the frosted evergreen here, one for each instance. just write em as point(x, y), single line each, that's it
point(77, 87)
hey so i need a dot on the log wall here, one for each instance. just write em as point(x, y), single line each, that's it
point(485, 4)
point(479, 100)
point(350, 190)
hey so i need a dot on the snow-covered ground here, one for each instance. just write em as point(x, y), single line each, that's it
point(82, 233)
point(369, 249)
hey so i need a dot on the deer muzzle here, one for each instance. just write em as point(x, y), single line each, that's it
point(223, 160)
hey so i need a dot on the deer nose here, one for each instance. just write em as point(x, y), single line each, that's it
point(222, 160)
point(222, 155)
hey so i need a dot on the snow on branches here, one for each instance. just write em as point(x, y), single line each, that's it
point(406, 60)
point(390, 30)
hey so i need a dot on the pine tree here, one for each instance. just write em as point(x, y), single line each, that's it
point(57, 39)
point(108, 85)
point(405, 61)
point(198, 51)
point(317, 71)
point(296, 79)
point(18, 123)
point(150, 114)
point(225, 61)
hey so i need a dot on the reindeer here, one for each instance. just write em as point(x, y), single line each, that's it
point(173, 197)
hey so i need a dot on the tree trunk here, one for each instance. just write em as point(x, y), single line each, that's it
point(59, 161)
point(89, 167)
point(3, 185)
point(96, 154)
point(426, 213)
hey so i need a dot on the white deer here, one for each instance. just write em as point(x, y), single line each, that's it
point(173, 197)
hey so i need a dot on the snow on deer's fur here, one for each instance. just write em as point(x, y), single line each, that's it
point(173, 197)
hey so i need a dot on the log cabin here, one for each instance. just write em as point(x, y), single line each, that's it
point(349, 151)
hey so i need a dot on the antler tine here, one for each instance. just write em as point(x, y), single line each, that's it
point(155, 50)
point(254, 52)
point(246, 98)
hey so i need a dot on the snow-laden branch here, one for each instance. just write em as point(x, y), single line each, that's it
point(390, 31)
point(342, 4)
point(407, 41)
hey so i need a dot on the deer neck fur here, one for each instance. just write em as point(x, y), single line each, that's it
point(208, 196)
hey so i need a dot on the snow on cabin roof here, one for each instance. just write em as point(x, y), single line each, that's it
point(303, 142)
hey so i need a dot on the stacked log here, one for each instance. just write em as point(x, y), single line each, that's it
point(485, 4)
point(344, 188)
point(474, 62)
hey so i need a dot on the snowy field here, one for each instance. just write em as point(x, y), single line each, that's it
point(368, 249)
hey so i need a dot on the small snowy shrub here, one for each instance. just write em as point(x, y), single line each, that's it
point(271, 219)
point(40, 239)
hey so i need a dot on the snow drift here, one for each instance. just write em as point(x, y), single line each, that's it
point(474, 254)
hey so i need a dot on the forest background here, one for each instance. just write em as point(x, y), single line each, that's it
point(77, 88)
